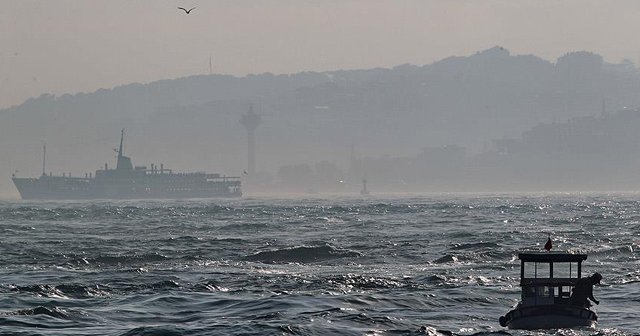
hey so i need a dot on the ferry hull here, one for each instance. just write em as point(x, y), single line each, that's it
point(70, 188)
point(549, 317)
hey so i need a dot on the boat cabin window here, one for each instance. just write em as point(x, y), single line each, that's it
point(538, 295)
point(533, 270)
point(539, 291)
point(561, 270)
point(565, 270)
point(564, 291)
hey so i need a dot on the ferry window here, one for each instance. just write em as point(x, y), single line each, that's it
point(565, 270)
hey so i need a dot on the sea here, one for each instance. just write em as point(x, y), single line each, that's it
point(402, 264)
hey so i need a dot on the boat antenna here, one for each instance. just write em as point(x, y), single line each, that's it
point(44, 158)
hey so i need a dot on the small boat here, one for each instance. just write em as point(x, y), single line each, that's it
point(547, 279)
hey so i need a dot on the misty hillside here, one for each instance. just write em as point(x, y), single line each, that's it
point(193, 123)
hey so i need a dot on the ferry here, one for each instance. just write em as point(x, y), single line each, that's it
point(127, 182)
point(547, 279)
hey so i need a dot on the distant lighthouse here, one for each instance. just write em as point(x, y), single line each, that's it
point(251, 121)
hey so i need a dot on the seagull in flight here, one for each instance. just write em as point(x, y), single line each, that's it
point(185, 10)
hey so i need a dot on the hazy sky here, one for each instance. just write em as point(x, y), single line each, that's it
point(79, 46)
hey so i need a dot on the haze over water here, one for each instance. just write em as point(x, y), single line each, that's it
point(413, 96)
point(445, 96)
point(412, 265)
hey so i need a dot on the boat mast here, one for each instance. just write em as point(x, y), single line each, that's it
point(44, 158)
point(124, 163)
point(121, 140)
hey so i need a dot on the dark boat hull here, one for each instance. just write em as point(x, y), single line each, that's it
point(549, 317)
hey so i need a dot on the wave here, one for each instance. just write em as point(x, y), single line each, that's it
point(150, 286)
point(302, 254)
point(431, 331)
point(99, 211)
point(626, 249)
point(446, 259)
point(62, 291)
point(357, 281)
point(209, 286)
point(80, 291)
point(40, 290)
point(155, 331)
point(475, 246)
point(165, 284)
point(126, 259)
point(40, 310)
point(474, 256)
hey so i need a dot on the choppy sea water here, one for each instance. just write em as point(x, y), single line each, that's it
point(410, 265)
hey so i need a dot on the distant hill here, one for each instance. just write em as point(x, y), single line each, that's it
point(193, 123)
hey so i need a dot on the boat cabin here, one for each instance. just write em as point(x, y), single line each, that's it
point(547, 278)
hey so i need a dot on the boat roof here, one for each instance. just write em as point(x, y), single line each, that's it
point(552, 256)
